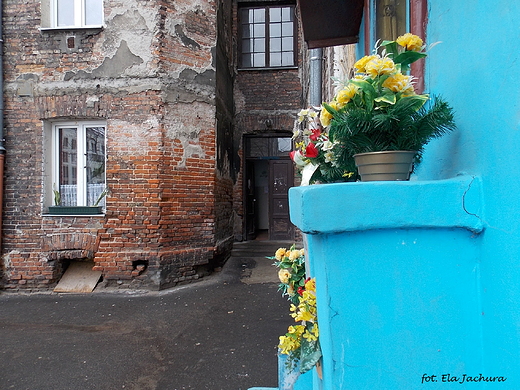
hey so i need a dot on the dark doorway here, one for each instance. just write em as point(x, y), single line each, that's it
point(269, 175)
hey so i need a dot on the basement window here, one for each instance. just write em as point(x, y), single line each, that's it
point(78, 162)
point(67, 14)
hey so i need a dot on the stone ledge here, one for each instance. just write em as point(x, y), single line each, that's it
point(341, 207)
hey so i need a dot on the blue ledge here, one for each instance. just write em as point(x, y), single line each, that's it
point(263, 388)
point(343, 207)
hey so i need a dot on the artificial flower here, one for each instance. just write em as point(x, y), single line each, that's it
point(361, 63)
point(298, 158)
point(399, 83)
point(302, 115)
point(315, 134)
point(325, 116)
point(284, 275)
point(346, 94)
point(410, 42)
point(380, 66)
point(280, 253)
point(311, 151)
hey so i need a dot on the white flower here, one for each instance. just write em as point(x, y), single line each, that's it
point(329, 157)
point(302, 115)
point(299, 160)
point(327, 145)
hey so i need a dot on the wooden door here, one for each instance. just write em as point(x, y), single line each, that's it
point(280, 180)
point(250, 201)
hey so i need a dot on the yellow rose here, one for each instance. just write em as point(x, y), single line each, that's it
point(280, 253)
point(361, 63)
point(379, 67)
point(410, 42)
point(399, 83)
point(284, 275)
point(293, 255)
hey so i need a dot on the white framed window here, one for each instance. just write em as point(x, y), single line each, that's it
point(72, 13)
point(78, 159)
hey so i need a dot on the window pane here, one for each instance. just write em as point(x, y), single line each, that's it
point(247, 31)
point(276, 59)
point(67, 165)
point(259, 15)
point(275, 15)
point(257, 147)
point(93, 12)
point(287, 14)
point(259, 30)
point(275, 44)
point(284, 145)
point(259, 60)
point(287, 29)
point(246, 46)
point(287, 44)
point(247, 60)
point(275, 30)
point(65, 11)
point(95, 148)
point(287, 58)
point(259, 45)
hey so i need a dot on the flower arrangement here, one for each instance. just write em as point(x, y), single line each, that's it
point(376, 110)
point(301, 342)
point(291, 264)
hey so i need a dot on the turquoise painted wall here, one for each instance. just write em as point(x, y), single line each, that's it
point(423, 278)
point(476, 69)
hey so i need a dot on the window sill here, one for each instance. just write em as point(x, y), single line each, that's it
point(266, 68)
point(71, 28)
point(75, 210)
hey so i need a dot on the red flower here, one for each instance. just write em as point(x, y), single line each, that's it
point(301, 289)
point(311, 151)
point(315, 134)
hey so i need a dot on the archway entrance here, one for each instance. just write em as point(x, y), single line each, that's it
point(269, 174)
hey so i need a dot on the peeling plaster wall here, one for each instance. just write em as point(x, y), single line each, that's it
point(151, 74)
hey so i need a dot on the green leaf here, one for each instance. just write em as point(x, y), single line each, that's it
point(408, 57)
point(386, 98)
point(391, 49)
point(331, 110)
point(369, 91)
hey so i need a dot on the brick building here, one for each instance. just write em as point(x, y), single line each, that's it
point(182, 109)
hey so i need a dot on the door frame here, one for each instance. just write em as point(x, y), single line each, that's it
point(246, 168)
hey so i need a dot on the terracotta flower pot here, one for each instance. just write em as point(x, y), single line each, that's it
point(388, 165)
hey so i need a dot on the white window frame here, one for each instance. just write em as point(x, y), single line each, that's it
point(81, 126)
point(79, 15)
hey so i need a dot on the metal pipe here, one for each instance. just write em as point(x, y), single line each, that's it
point(315, 78)
point(2, 148)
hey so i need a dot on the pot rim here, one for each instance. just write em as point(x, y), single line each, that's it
point(386, 152)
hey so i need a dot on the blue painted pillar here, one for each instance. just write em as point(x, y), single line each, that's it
point(398, 282)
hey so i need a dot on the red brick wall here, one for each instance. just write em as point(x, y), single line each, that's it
point(169, 210)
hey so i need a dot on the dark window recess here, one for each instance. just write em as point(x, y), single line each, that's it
point(267, 37)
point(268, 147)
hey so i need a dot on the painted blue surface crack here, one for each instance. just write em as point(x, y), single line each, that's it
point(464, 199)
